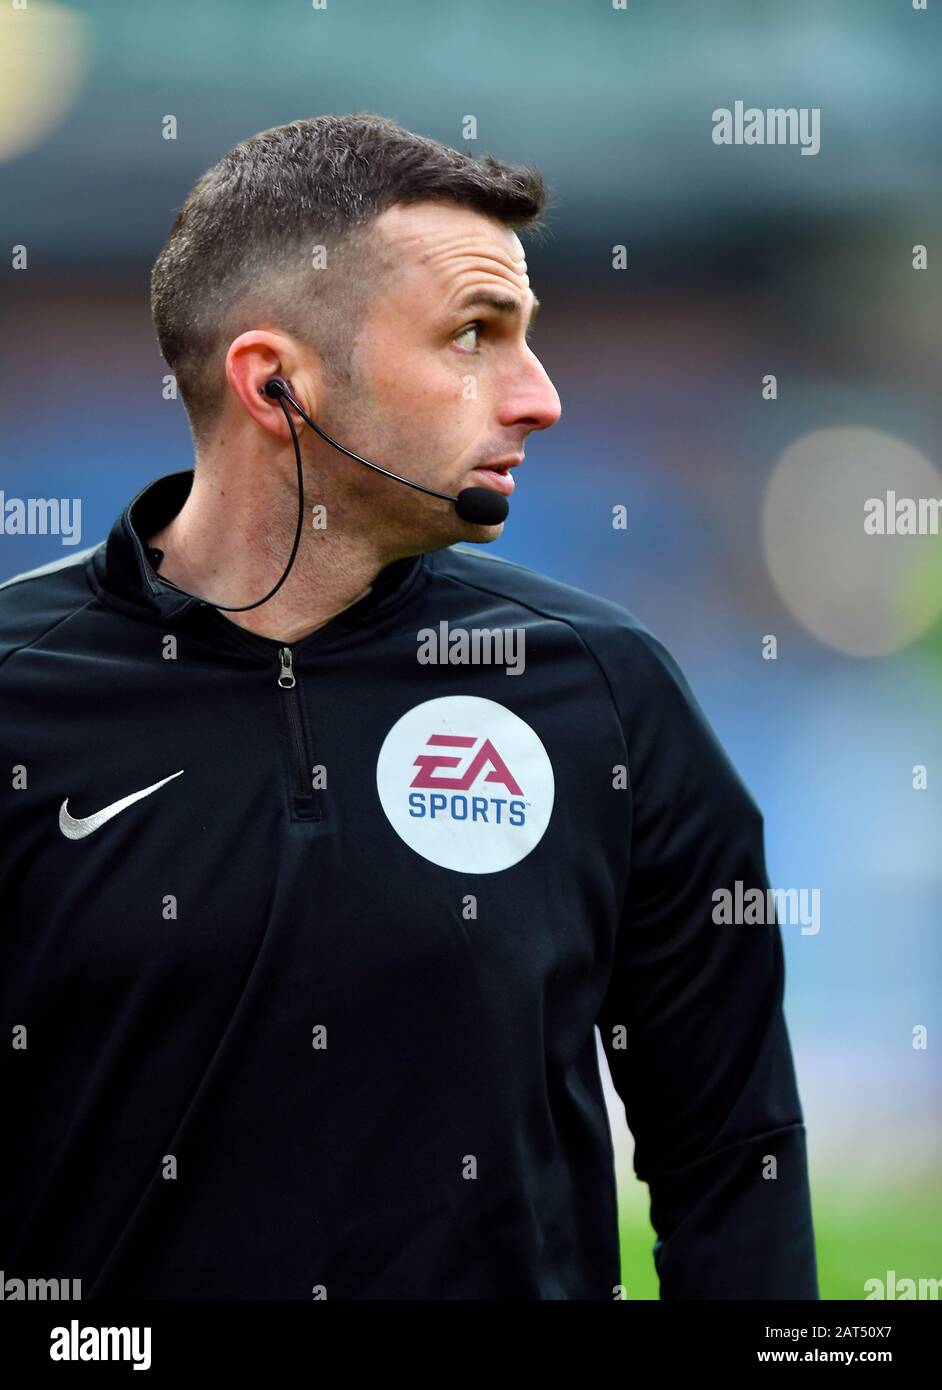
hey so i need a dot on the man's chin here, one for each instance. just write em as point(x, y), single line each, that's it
point(481, 535)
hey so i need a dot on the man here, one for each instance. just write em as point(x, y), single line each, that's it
point(313, 906)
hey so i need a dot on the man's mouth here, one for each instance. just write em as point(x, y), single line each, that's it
point(498, 476)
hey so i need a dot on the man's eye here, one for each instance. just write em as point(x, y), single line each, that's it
point(471, 328)
point(477, 329)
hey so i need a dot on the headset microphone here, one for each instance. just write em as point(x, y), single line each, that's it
point(479, 505)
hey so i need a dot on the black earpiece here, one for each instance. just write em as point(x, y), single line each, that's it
point(275, 388)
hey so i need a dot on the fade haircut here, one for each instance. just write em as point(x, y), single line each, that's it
point(241, 251)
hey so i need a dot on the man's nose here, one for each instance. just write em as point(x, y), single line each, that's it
point(533, 399)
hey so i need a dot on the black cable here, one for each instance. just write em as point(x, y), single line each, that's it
point(243, 608)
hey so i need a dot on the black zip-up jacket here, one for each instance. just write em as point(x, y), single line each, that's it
point(303, 948)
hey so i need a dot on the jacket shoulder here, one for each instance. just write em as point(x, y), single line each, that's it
point(617, 639)
point(649, 688)
point(39, 599)
point(516, 584)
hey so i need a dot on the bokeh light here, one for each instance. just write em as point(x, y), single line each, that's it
point(863, 594)
point(45, 59)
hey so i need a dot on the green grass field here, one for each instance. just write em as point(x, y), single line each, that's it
point(858, 1238)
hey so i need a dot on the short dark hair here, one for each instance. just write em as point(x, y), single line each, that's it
point(239, 253)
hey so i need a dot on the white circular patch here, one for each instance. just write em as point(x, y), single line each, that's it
point(466, 783)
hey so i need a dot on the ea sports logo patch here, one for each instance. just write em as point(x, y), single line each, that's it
point(466, 783)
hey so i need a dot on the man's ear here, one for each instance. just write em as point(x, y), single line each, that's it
point(252, 360)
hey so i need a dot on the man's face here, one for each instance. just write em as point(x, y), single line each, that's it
point(444, 382)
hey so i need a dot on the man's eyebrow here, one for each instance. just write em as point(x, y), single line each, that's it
point(504, 304)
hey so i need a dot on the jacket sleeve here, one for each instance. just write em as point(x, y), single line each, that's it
point(692, 1021)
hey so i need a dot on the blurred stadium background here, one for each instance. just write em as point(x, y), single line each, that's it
point(744, 515)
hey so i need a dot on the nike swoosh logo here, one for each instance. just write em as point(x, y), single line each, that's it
point(77, 827)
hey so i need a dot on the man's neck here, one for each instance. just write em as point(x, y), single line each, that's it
point(217, 547)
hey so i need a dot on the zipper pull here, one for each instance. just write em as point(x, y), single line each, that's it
point(286, 675)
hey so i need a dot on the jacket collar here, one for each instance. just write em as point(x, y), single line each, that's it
point(125, 571)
